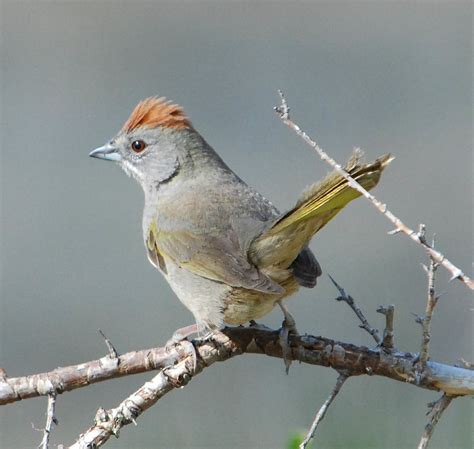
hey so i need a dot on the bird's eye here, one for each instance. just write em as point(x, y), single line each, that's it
point(138, 146)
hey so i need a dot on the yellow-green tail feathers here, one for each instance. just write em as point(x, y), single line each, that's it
point(318, 204)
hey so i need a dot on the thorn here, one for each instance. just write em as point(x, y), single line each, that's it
point(425, 268)
point(283, 109)
point(419, 319)
point(341, 290)
point(113, 354)
point(422, 232)
point(456, 275)
point(394, 231)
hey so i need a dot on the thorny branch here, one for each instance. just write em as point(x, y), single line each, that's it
point(304, 348)
point(456, 273)
point(324, 408)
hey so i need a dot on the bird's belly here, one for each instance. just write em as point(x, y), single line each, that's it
point(203, 297)
point(214, 304)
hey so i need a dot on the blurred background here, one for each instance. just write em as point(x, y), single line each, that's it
point(385, 76)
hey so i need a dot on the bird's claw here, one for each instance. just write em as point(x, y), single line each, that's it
point(179, 336)
point(288, 327)
point(258, 326)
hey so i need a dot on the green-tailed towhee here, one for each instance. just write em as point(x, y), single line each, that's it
point(227, 252)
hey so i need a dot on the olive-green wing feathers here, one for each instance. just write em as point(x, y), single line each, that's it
point(213, 257)
point(281, 243)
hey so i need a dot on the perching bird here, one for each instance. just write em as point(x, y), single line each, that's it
point(229, 255)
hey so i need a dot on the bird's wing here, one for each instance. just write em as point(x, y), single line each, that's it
point(216, 257)
point(281, 243)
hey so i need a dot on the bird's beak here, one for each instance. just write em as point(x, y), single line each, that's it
point(107, 152)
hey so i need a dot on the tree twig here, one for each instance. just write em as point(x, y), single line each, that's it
point(435, 415)
point(351, 303)
point(50, 421)
point(324, 408)
point(456, 273)
point(387, 341)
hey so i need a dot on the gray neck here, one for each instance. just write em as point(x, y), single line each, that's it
point(194, 158)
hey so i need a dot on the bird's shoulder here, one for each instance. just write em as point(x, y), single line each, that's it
point(217, 203)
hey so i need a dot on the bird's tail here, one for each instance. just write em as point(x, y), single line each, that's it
point(290, 233)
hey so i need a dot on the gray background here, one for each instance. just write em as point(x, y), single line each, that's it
point(389, 77)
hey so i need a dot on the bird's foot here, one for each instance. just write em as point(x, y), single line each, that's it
point(182, 334)
point(288, 327)
point(254, 325)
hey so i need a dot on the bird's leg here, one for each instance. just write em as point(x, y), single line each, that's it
point(182, 334)
point(288, 326)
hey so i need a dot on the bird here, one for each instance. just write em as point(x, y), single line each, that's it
point(227, 252)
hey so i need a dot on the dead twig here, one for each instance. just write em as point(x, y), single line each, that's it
point(426, 320)
point(348, 299)
point(324, 408)
point(387, 340)
point(50, 422)
point(456, 273)
point(435, 413)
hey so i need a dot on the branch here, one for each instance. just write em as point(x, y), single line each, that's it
point(305, 348)
point(436, 412)
point(456, 273)
point(191, 358)
point(350, 301)
point(109, 422)
point(324, 408)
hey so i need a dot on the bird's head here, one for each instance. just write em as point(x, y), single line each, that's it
point(149, 144)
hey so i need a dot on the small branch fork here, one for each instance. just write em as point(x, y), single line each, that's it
point(456, 273)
